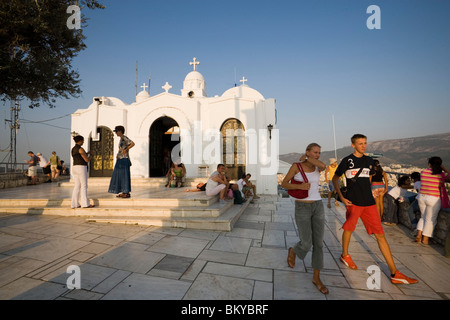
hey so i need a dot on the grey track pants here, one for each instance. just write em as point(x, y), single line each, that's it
point(310, 220)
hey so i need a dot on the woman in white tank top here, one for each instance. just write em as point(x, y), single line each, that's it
point(309, 212)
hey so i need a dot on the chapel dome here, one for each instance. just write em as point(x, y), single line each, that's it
point(108, 101)
point(143, 95)
point(194, 75)
point(194, 85)
point(243, 91)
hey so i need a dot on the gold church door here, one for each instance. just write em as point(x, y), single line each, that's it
point(233, 148)
point(102, 163)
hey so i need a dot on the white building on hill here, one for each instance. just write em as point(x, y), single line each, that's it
point(237, 128)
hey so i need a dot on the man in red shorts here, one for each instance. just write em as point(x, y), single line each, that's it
point(360, 203)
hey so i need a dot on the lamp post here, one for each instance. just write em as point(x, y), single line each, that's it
point(270, 127)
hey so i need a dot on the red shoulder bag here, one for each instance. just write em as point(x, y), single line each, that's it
point(297, 193)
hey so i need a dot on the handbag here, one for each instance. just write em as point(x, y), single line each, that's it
point(445, 202)
point(344, 189)
point(297, 193)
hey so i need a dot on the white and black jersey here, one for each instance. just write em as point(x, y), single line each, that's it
point(359, 190)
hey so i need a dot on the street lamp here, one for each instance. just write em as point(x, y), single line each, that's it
point(270, 127)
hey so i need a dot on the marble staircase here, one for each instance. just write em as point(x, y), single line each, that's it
point(150, 204)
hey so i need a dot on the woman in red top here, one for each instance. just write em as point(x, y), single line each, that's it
point(429, 198)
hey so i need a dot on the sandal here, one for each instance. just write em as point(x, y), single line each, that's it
point(90, 206)
point(321, 287)
point(124, 195)
point(291, 258)
point(430, 241)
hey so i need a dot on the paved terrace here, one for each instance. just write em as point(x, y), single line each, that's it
point(120, 261)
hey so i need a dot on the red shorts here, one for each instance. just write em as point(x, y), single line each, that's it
point(369, 216)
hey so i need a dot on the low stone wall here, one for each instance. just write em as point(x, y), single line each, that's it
point(12, 180)
point(409, 214)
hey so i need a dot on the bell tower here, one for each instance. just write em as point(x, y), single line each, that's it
point(194, 85)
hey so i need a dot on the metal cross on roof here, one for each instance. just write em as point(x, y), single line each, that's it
point(167, 87)
point(144, 86)
point(194, 63)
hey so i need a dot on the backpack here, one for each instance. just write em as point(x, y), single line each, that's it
point(238, 199)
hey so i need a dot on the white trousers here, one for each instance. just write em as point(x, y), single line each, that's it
point(215, 190)
point(79, 174)
point(429, 208)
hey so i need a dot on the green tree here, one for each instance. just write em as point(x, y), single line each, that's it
point(37, 48)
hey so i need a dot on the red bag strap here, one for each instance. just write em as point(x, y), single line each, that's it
point(302, 172)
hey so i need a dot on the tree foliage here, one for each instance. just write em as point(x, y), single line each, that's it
point(37, 49)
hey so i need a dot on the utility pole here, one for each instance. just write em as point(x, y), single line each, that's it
point(14, 128)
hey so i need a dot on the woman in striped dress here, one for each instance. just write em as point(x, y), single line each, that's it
point(429, 198)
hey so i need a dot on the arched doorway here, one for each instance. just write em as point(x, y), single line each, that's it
point(233, 147)
point(102, 163)
point(163, 137)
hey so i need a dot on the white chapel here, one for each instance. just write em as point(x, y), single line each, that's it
point(237, 128)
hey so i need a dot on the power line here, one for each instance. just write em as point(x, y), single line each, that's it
point(47, 124)
point(15, 126)
point(41, 121)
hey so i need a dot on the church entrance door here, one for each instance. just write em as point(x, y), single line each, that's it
point(233, 148)
point(163, 137)
point(102, 163)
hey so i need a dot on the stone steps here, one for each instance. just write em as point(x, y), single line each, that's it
point(224, 222)
point(150, 204)
point(137, 182)
point(213, 210)
point(180, 210)
point(108, 202)
point(220, 217)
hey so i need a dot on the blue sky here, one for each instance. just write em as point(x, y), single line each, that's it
point(317, 58)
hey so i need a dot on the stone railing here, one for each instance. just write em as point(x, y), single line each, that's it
point(15, 175)
point(409, 215)
point(18, 179)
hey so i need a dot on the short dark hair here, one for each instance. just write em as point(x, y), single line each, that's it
point(358, 136)
point(402, 180)
point(436, 165)
point(415, 175)
point(220, 165)
point(78, 138)
point(119, 128)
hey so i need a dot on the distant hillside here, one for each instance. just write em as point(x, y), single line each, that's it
point(408, 151)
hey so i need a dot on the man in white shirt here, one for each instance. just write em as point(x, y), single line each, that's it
point(45, 165)
point(250, 186)
point(218, 183)
point(241, 183)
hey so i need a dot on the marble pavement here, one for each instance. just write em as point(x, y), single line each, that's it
point(249, 263)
